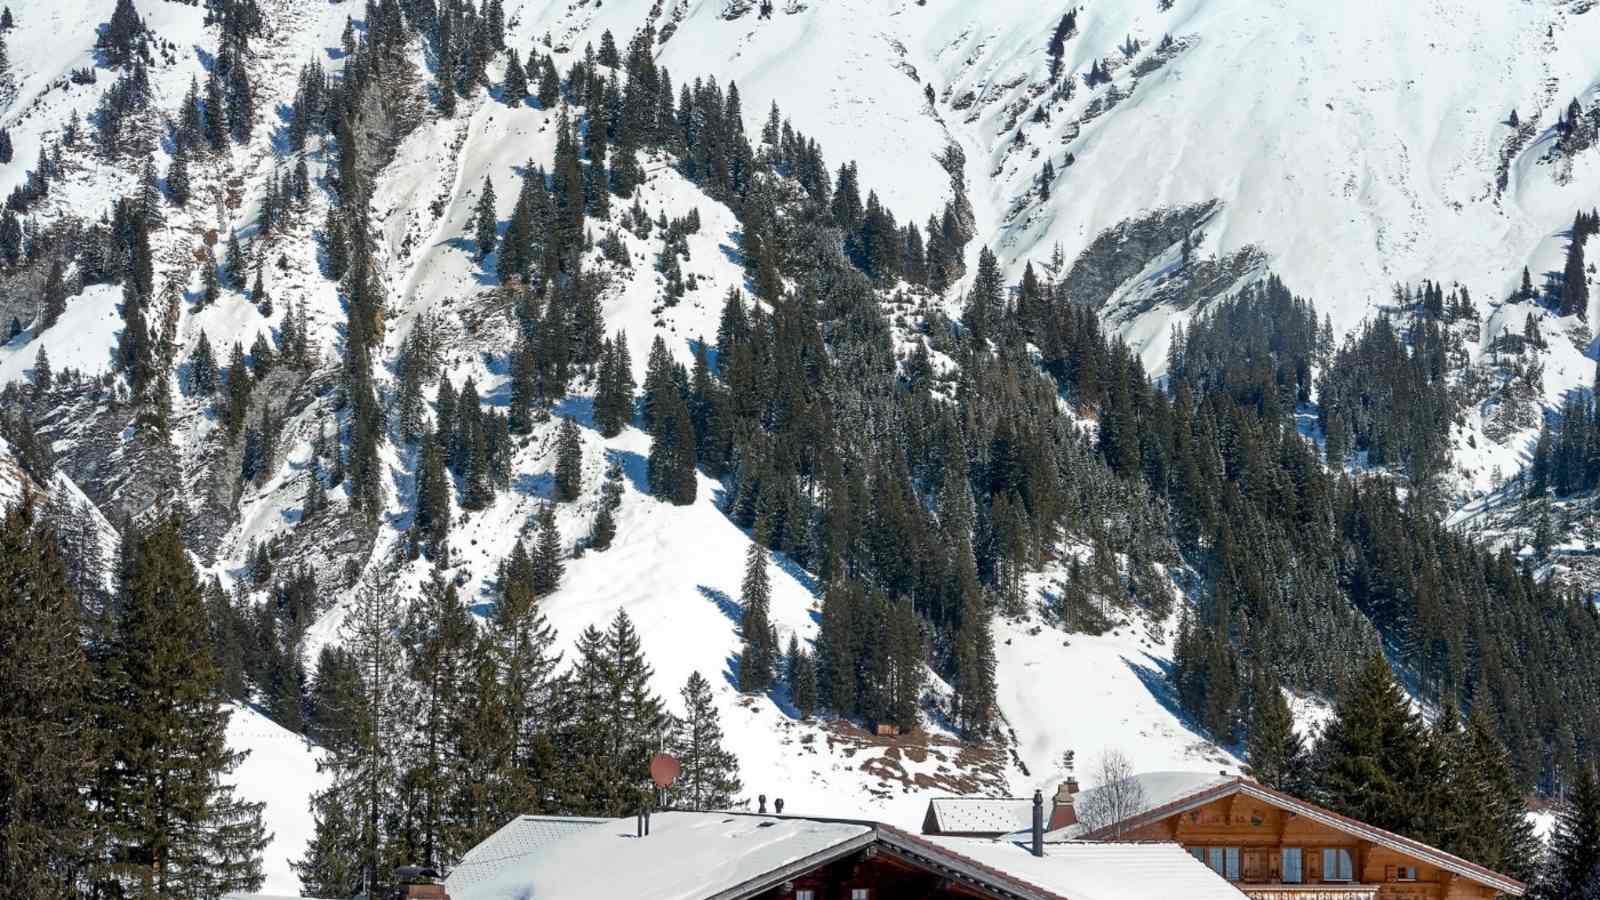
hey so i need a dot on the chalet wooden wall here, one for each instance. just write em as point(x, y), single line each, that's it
point(1261, 830)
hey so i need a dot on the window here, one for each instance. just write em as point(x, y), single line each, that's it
point(1405, 873)
point(1336, 864)
point(1291, 866)
point(805, 894)
point(1223, 860)
point(861, 894)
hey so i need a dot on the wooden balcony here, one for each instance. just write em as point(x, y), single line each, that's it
point(1310, 891)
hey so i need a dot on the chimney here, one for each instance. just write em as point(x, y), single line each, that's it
point(1062, 810)
point(418, 883)
point(761, 799)
point(777, 806)
point(1038, 822)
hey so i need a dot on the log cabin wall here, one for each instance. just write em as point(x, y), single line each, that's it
point(1244, 839)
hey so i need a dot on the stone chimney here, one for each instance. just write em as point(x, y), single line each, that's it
point(419, 883)
point(1062, 811)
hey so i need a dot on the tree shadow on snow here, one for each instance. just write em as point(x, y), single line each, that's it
point(727, 605)
point(578, 409)
point(634, 468)
point(1156, 676)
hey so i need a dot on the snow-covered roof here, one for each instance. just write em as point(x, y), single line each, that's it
point(1159, 789)
point(687, 856)
point(978, 815)
point(1098, 871)
point(508, 849)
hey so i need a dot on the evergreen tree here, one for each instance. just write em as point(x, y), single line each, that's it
point(233, 262)
point(1575, 282)
point(355, 846)
point(170, 822)
point(1276, 753)
point(618, 723)
point(47, 753)
point(710, 775)
point(1375, 761)
point(605, 523)
point(438, 633)
point(569, 461)
point(547, 565)
point(1574, 853)
point(758, 660)
point(803, 684)
point(515, 86)
point(672, 453)
point(178, 175)
point(485, 228)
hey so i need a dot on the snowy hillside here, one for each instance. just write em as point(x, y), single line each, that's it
point(1346, 153)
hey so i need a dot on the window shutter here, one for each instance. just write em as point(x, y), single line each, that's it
point(1390, 873)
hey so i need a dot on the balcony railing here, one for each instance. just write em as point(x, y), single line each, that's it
point(1310, 891)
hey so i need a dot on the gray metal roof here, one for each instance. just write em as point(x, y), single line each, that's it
point(513, 843)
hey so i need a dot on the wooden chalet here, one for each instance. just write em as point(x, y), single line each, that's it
point(743, 856)
point(1273, 846)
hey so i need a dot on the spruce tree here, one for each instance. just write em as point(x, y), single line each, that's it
point(47, 753)
point(438, 634)
point(485, 222)
point(354, 846)
point(618, 722)
point(569, 461)
point(1276, 753)
point(605, 523)
point(170, 822)
point(515, 86)
point(804, 684)
point(710, 776)
point(758, 660)
point(672, 454)
point(1375, 761)
point(233, 262)
point(547, 565)
point(1574, 854)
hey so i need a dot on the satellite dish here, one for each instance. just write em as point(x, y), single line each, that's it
point(664, 769)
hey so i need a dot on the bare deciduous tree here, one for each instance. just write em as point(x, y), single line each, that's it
point(1117, 795)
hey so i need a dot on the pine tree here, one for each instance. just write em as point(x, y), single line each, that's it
point(804, 684)
point(1574, 853)
point(672, 453)
point(1276, 753)
point(569, 461)
point(618, 722)
point(46, 750)
point(233, 262)
point(354, 847)
point(433, 497)
point(515, 86)
point(1375, 761)
point(485, 227)
point(710, 776)
point(178, 175)
point(1575, 282)
point(547, 565)
point(758, 659)
point(605, 523)
point(438, 634)
point(171, 824)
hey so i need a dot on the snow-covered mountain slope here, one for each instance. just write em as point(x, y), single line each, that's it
point(1348, 152)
